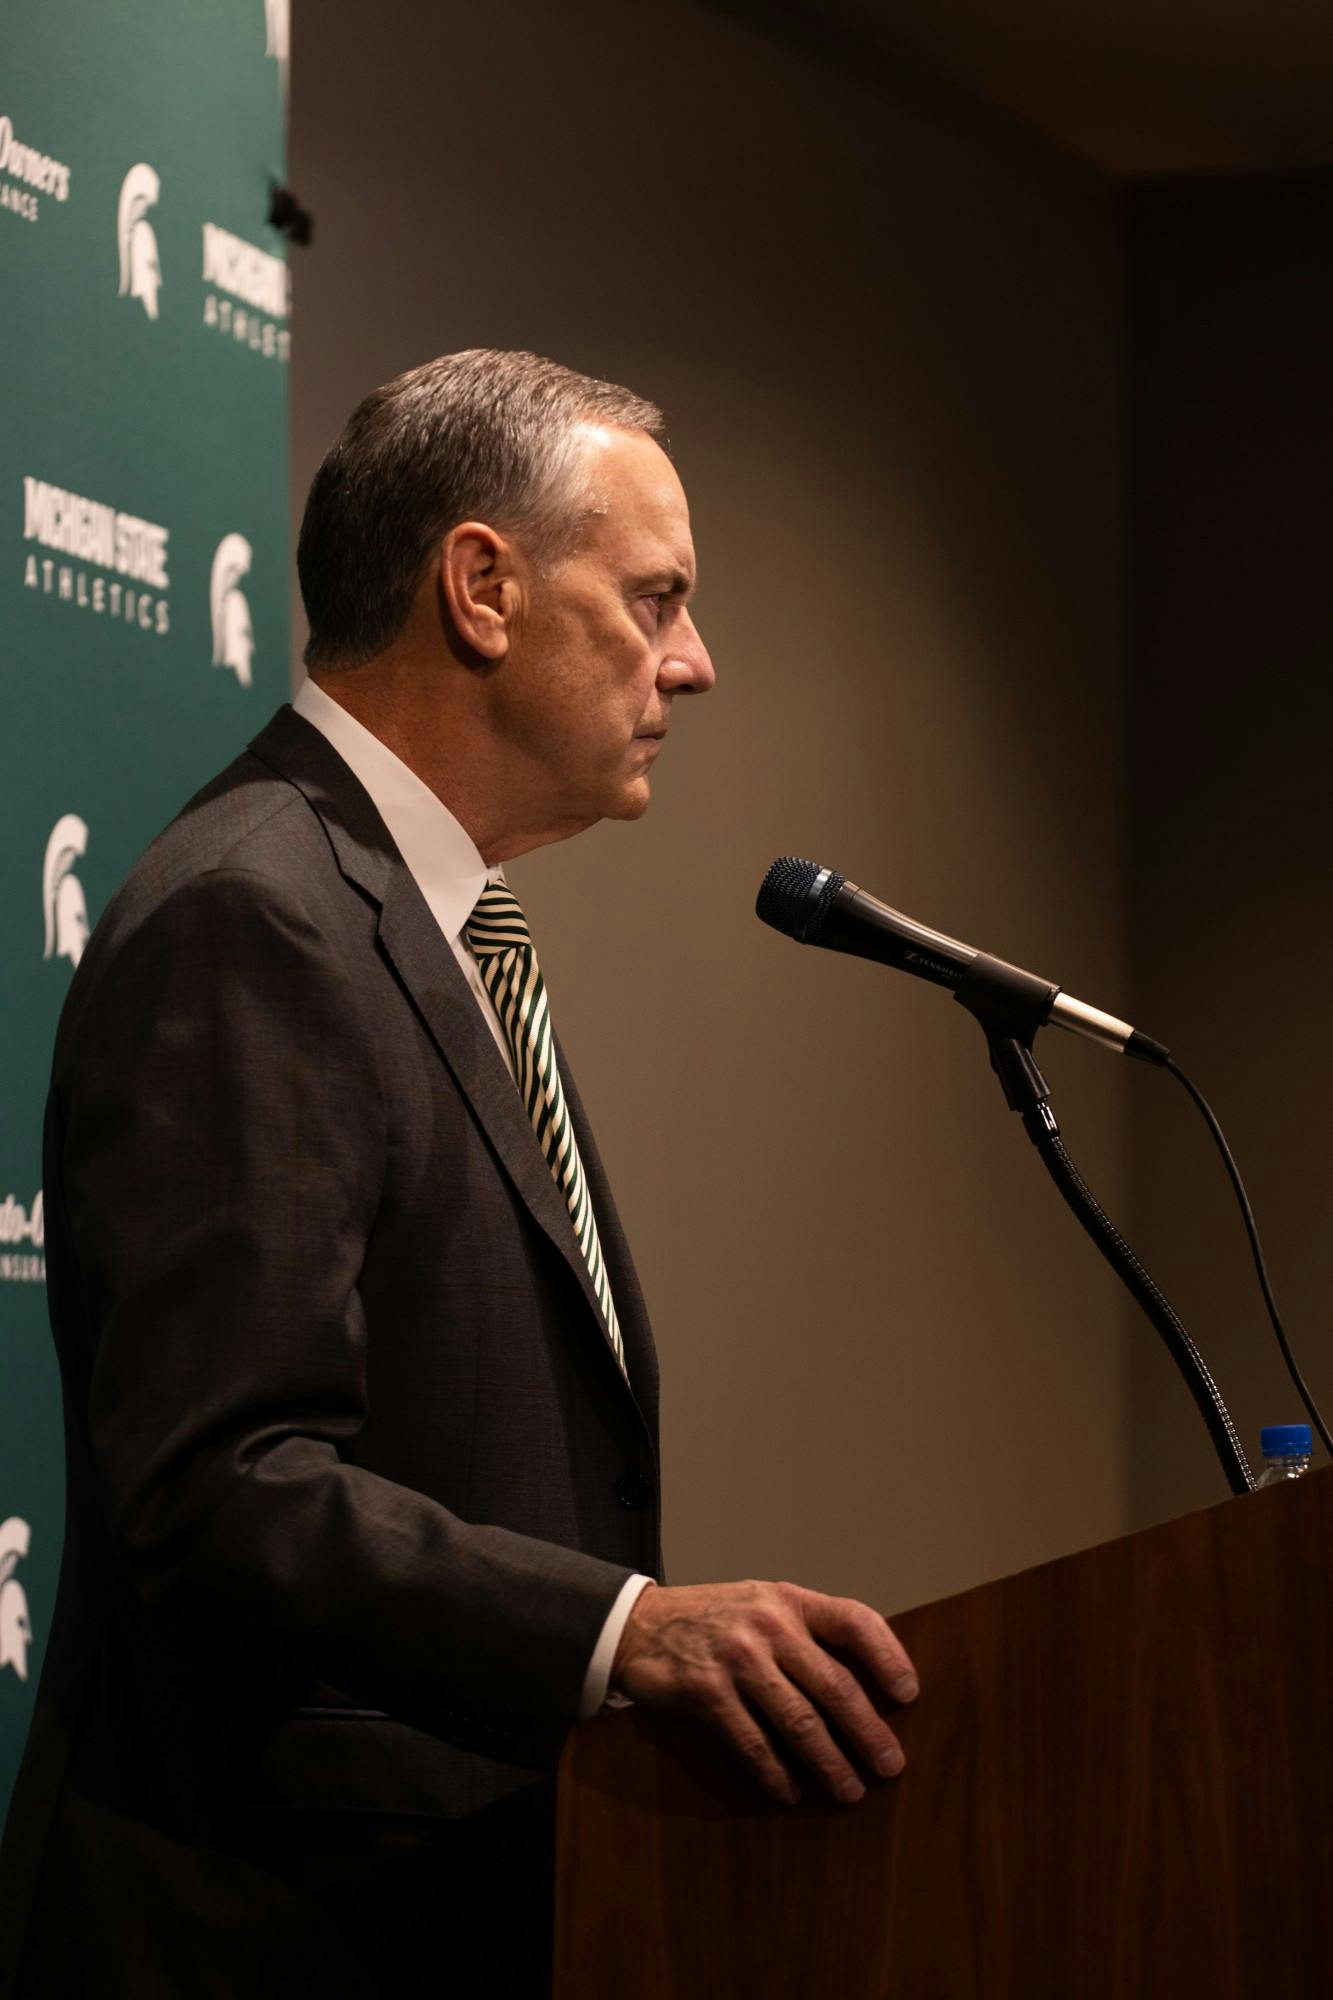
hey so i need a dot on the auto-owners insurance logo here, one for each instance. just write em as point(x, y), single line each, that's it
point(22, 1241)
point(27, 173)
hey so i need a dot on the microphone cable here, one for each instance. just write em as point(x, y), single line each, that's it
point(1256, 1251)
point(1044, 1132)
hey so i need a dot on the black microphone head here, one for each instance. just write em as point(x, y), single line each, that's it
point(795, 897)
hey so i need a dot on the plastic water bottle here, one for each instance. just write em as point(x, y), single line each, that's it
point(1286, 1449)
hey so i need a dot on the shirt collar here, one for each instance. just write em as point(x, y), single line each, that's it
point(441, 855)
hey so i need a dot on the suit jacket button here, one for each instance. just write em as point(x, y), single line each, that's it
point(633, 1490)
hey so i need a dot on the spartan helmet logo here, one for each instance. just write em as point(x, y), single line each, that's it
point(278, 17)
point(15, 1628)
point(233, 640)
point(65, 911)
point(140, 271)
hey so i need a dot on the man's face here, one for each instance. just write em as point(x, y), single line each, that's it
point(602, 648)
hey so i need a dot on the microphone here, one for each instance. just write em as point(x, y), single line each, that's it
point(816, 905)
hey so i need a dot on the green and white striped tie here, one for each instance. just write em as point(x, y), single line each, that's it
point(497, 933)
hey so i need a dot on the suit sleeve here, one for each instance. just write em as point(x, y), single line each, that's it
point(223, 1150)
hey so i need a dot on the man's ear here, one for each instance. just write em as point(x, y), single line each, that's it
point(480, 589)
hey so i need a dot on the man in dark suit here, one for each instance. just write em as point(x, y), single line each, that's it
point(361, 1398)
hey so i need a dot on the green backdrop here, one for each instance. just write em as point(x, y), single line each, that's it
point(143, 561)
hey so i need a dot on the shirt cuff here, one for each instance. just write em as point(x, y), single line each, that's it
point(595, 1697)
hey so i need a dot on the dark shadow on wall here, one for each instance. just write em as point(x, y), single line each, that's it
point(1231, 852)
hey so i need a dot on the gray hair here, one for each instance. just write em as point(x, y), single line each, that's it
point(482, 435)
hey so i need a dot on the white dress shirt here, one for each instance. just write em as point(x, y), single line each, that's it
point(442, 859)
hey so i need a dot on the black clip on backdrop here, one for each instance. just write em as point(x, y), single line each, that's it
point(1011, 1006)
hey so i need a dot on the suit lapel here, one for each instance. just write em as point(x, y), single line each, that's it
point(425, 964)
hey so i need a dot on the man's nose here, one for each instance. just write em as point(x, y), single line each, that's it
point(686, 668)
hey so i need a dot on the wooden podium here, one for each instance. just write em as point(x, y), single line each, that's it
point(1119, 1783)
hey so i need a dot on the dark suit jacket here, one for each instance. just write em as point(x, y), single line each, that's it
point(354, 1476)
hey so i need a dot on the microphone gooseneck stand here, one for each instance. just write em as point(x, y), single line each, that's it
point(816, 905)
point(1028, 1093)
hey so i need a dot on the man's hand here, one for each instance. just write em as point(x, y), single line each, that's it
point(739, 1656)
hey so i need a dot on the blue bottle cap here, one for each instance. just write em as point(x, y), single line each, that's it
point(1285, 1441)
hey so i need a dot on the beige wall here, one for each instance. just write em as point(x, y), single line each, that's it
point(890, 354)
point(1232, 329)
